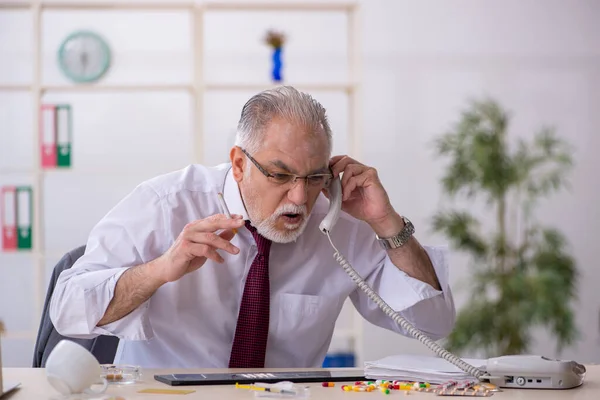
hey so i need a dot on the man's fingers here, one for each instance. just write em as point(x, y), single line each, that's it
point(212, 240)
point(203, 250)
point(348, 189)
point(353, 183)
point(341, 163)
point(350, 171)
point(216, 222)
point(335, 159)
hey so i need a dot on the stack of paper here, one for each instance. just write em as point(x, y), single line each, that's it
point(419, 368)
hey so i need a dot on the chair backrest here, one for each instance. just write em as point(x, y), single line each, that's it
point(102, 347)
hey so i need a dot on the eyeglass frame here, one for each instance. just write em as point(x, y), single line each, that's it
point(294, 177)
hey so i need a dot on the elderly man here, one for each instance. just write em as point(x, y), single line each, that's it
point(183, 285)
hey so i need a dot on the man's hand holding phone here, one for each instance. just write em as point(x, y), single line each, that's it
point(364, 197)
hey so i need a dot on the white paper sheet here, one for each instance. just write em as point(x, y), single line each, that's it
point(419, 368)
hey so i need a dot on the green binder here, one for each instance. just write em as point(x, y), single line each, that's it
point(64, 135)
point(24, 216)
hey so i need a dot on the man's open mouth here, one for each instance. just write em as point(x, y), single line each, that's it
point(292, 218)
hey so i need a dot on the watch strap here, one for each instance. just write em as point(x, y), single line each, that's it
point(399, 239)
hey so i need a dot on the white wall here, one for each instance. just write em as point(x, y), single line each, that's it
point(424, 59)
point(421, 62)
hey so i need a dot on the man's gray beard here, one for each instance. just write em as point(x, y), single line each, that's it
point(267, 227)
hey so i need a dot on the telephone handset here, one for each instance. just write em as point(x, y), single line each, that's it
point(335, 206)
point(535, 371)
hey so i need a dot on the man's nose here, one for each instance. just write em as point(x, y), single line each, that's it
point(297, 194)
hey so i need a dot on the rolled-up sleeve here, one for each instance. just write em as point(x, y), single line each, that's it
point(429, 310)
point(132, 233)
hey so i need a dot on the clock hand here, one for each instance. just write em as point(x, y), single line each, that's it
point(84, 61)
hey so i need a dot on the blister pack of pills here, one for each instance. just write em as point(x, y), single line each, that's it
point(465, 388)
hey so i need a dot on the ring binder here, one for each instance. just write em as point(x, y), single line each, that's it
point(55, 135)
point(63, 135)
point(8, 209)
point(48, 136)
point(24, 216)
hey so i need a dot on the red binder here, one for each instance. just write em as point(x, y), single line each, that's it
point(8, 209)
point(48, 135)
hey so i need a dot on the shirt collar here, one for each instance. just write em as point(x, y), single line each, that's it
point(232, 196)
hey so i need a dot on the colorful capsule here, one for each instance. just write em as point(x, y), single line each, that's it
point(328, 384)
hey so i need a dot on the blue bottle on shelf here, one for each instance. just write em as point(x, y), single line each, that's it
point(340, 354)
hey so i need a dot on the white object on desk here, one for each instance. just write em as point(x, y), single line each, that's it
point(72, 369)
point(518, 371)
point(535, 372)
point(418, 368)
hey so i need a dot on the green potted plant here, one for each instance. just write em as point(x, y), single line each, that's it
point(521, 274)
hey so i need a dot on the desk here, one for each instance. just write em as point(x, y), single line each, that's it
point(35, 386)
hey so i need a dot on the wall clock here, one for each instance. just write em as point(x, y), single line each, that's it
point(84, 57)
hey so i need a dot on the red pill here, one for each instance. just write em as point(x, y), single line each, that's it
point(328, 384)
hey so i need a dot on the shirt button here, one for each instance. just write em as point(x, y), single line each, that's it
point(261, 258)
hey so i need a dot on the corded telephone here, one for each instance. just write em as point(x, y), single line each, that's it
point(518, 371)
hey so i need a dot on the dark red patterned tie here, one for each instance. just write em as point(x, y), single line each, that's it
point(250, 341)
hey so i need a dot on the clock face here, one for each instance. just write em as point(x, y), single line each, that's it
point(84, 57)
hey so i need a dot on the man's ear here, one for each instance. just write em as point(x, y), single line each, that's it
point(238, 163)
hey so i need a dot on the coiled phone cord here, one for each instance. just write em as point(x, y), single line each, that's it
point(433, 346)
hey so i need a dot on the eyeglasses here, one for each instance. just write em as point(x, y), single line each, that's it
point(313, 181)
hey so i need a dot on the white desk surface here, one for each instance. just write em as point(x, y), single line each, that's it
point(35, 386)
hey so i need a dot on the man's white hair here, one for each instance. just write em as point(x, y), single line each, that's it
point(283, 101)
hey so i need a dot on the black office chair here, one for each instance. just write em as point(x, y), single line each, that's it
point(102, 347)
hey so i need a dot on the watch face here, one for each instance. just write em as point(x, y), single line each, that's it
point(84, 57)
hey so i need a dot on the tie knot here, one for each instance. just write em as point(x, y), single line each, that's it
point(263, 244)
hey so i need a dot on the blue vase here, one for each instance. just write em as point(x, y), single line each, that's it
point(277, 64)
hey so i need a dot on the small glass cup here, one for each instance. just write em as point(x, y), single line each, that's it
point(121, 374)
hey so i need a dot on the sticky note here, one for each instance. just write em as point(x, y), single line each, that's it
point(166, 391)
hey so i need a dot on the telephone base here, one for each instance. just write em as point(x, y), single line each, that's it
point(534, 372)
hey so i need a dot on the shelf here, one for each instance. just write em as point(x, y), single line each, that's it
point(163, 6)
point(13, 5)
point(14, 87)
point(324, 87)
point(82, 171)
point(6, 171)
point(19, 335)
point(44, 255)
point(100, 5)
point(109, 88)
point(279, 6)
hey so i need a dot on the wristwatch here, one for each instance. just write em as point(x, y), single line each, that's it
point(398, 240)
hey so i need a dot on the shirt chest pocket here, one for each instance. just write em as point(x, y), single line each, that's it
point(304, 323)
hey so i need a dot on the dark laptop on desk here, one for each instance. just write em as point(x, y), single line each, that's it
point(342, 375)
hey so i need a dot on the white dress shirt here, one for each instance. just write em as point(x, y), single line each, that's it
point(191, 322)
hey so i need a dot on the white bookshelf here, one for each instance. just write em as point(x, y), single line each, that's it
point(196, 89)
